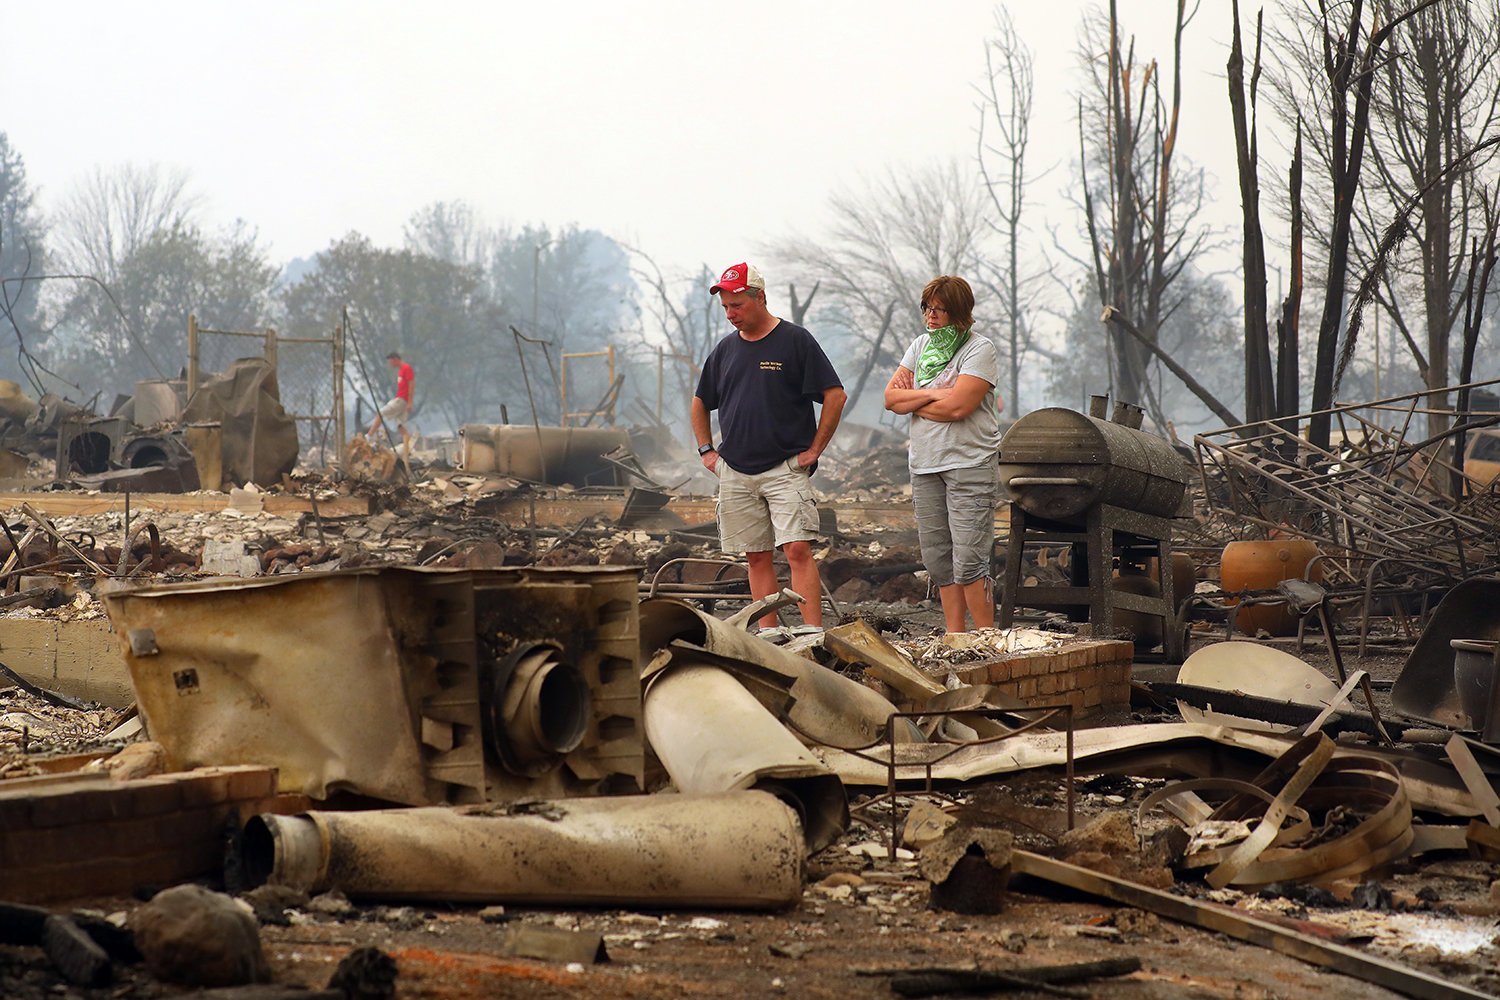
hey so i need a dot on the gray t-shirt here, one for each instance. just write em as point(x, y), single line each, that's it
point(937, 445)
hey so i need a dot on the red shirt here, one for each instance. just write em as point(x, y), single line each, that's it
point(404, 377)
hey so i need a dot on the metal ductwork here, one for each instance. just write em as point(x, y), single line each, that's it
point(741, 850)
point(538, 709)
point(453, 686)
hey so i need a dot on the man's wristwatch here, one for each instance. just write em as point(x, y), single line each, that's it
point(704, 449)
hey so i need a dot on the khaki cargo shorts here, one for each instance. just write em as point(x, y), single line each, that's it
point(397, 410)
point(765, 511)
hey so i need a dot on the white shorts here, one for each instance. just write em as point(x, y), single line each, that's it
point(765, 510)
point(396, 410)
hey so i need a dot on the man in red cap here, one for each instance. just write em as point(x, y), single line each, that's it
point(764, 379)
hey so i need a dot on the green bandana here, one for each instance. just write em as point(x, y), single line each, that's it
point(942, 344)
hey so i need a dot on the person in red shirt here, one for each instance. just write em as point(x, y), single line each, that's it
point(398, 409)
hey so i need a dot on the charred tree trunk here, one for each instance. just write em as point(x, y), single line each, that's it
point(873, 359)
point(1350, 68)
point(1481, 269)
point(798, 307)
point(1260, 394)
point(1288, 365)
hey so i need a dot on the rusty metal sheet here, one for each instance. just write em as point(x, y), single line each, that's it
point(397, 683)
point(312, 674)
point(1148, 749)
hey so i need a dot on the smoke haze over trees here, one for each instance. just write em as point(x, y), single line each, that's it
point(98, 288)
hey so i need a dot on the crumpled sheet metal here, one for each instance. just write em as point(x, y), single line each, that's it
point(829, 708)
point(258, 439)
point(713, 736)
point(214, 690)
point(1145, 750)
point(1305, 784)
point(1252, 668)
point(1425, 688)
point(740, 850)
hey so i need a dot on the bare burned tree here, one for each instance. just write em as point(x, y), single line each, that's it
point(687, 316)
point(1268, 394)
point(113, 213)
point(1481, 269)
point(1329, 60)
point(799, 306)
point(1004, 135)
point(1429, 107)
point(886, 242)
point(1140, 219)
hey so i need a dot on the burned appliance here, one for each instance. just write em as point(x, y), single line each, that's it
point(1105, 488)
point(410, 686)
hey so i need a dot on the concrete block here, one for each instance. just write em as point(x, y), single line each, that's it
point(229, 558)
point(81, 658)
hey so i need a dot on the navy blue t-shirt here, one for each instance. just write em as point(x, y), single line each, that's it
point(764, 391)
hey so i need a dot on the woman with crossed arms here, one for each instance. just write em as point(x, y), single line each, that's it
point(946, 383)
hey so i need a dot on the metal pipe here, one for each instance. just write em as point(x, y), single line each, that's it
point(540, 709)
point(713, 736)
point(741, 850)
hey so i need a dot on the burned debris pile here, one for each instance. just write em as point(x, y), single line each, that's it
point(353, 716)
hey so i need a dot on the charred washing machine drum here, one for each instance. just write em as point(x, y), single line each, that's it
point(1057, 463)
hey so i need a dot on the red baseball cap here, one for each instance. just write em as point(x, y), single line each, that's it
point(737, 278)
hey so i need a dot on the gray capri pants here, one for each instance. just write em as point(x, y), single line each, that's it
point(956, 522)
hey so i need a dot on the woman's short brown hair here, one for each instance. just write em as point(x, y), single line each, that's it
point(954, 295)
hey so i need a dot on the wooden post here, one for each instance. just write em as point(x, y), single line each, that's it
point(562, 393)
point(271, 351)
point(192, 346)
point(338, 385)
point(613, 396)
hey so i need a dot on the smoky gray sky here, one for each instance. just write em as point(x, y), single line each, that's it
point(695, 132)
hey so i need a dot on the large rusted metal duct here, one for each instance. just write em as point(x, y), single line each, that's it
point(545, 455)
point(829, 709)
point(452, 685)
point(741, 850)
point(1057, 463)
point(713, 736)
point(539, 709)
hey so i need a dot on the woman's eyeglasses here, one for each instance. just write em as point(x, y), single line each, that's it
point(934, 310)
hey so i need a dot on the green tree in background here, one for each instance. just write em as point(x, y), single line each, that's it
point(438, 314)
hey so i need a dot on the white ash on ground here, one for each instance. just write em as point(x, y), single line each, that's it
point(30, 727)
